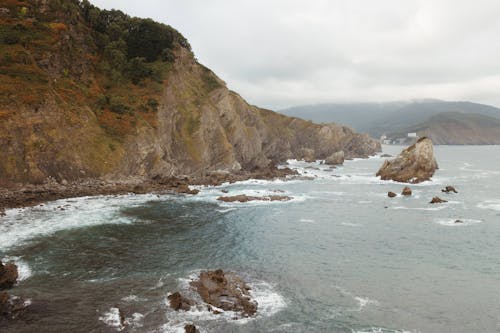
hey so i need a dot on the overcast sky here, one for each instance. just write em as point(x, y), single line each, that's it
point(280, 53)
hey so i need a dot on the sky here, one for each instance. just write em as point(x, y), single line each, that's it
point(282, 53)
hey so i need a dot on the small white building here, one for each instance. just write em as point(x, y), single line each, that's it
point(412, 135)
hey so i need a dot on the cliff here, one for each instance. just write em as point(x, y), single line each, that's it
point(86, 94)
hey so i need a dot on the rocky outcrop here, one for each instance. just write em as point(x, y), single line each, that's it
point(391, 194)
point(226, 291)
point(178, 302)
point(449, 189)
point(8, 275)
point(414, 164)
point(190, 329)
point(335, 158)
point(437, 200)
point(246, 198)
point(406, 191)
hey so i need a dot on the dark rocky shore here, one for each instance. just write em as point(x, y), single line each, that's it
point(21, 195)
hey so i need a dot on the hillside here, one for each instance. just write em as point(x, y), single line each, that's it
point(96, 93)
point(458, 129)
point(395, 117)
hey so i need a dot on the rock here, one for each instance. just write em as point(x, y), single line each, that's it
point(190, 329)
point(414, 164)
point(406, 191)
point(437, 200)
point(246, 198)
point(224, 191)
point(226, 291)
point(449, 189)
point(307, 154)
point(385, 155)
point(10, 307)
point(178, 302)
point(459, 221)
point(184, 188)
point(335, 158)
point(8, 275)
point(391, 194)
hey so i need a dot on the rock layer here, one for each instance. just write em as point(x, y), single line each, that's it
point(414, 164)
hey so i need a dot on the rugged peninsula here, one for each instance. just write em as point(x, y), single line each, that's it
point(95, 96)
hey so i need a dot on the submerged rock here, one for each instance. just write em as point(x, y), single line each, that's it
point(335, 158)
point(459, 221)
point(406, 191)
point(190, 329)
point(391, 194)
point(449, 189)
point(178, 302)
point(8, 275)
point(10, 306)
point(246, 198)
point(436, 200)
point(226, 291)
point(414, 164)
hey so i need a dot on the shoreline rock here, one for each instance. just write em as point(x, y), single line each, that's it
point(21, 195)
point(178, 302)
point(226, 291)
point(437, 200)
point(391, 194)
point(406, 191)
point(414, 164)
point(8, 275)
point(336, 158)
point(449, 189)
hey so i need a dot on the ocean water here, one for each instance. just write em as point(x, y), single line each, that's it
point(340, 257)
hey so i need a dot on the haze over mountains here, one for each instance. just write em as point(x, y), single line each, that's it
point(445, 122)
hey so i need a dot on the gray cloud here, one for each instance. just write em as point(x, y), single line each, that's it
point(286, 52)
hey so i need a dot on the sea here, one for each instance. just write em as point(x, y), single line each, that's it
point(341, 256)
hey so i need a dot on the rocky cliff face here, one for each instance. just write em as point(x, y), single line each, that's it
point(197, 126)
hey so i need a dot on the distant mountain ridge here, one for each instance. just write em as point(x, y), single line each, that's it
point(454, 122)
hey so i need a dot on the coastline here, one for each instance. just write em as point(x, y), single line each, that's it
point(26, 195)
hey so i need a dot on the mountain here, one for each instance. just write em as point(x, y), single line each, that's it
point(92, 93)
point(401, 117)
point(458, 129)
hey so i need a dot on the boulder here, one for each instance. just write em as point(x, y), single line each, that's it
point(459, 221)
point(414, 164)
point(335, 158)
point(406, 191)
point(436, 200)
point(178, 302)
point(391, 194)
point(226, 291)
point(8, 275)
point(449, 189)
point(385, 155)
point(190, 329)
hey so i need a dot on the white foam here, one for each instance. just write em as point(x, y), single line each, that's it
point(490, 204)
point(227, 210)
point(22, 224)
point(452, 222)
point(23, 269)
point(307, 221)
point(112, 319)
point(441, 206)
point(365, 301)
point(348, 224)
point(380, 330)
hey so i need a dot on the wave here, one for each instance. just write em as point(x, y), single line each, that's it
point(490, 204)
point(449, 222)
point(113, 319)
point(22, 224)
